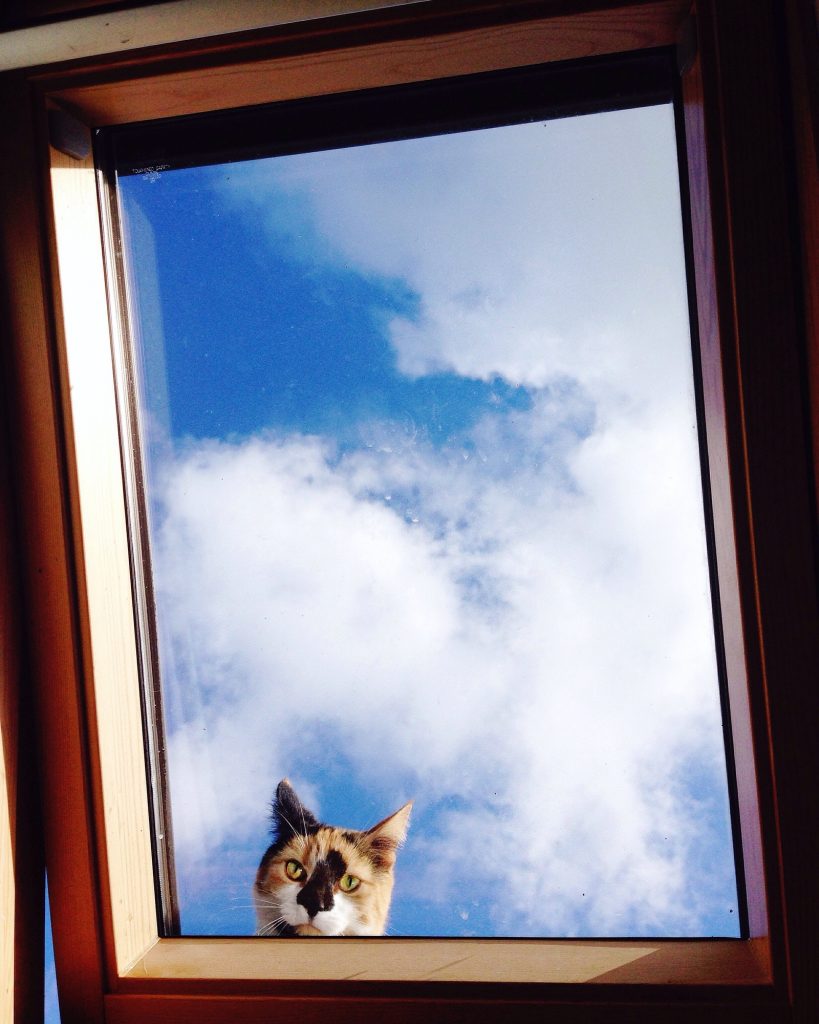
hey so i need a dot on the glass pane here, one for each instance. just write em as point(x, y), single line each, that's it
point(51, 1004)
point(426, 523)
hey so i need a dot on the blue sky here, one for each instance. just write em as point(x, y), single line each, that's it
point(52, 1009)
point(426, 524)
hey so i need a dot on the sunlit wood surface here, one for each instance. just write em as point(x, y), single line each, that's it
point(125, 843)
point(625, 961)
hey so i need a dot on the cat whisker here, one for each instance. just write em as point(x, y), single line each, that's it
point(271, 926)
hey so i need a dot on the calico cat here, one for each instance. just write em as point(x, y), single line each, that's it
point(316, 879)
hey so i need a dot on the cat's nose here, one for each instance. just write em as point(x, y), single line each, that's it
point(315, 898)
point(317, 894)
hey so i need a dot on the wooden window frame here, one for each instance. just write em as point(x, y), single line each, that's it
point(76, 595)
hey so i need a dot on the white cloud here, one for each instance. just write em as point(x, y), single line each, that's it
point(575, 686)
point(547, 250)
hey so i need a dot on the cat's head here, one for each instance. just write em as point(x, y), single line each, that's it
point(317, 879)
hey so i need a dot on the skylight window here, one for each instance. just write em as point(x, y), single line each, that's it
point(423, 510)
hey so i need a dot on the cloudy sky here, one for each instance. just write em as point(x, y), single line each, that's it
point(426, 523)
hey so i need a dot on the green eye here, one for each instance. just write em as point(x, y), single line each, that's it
point(349, 883)
point(293, 870)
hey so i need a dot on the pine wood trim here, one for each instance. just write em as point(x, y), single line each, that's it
point(181, 963)
point(113, 687)
point(327, 65)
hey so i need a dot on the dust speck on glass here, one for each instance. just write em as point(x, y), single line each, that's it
point(425, 517)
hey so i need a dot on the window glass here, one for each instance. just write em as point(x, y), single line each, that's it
point(425, 519)
point(51, 1005)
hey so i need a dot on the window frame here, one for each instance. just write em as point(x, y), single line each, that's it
point(545, 92)
point(111, 964)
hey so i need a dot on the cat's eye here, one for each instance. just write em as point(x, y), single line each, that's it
point(349, 883)
point(294, 870)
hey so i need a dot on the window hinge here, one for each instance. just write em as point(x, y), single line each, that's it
point(68, 134)
point(687, 44)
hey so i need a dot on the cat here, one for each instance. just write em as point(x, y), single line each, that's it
point(316, 879)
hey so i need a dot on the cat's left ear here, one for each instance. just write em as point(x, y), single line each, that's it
point(385, 837)
point(290, 816)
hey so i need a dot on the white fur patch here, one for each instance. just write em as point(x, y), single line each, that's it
point(338, 920)
point(342, 919)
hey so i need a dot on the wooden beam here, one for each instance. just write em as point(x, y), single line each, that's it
point(329, 64)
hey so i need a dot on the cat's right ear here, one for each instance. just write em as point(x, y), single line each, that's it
point(290, 816)
point(385, 837)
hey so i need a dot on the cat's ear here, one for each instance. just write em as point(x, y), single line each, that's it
point(290, 816)
point(385, 837)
